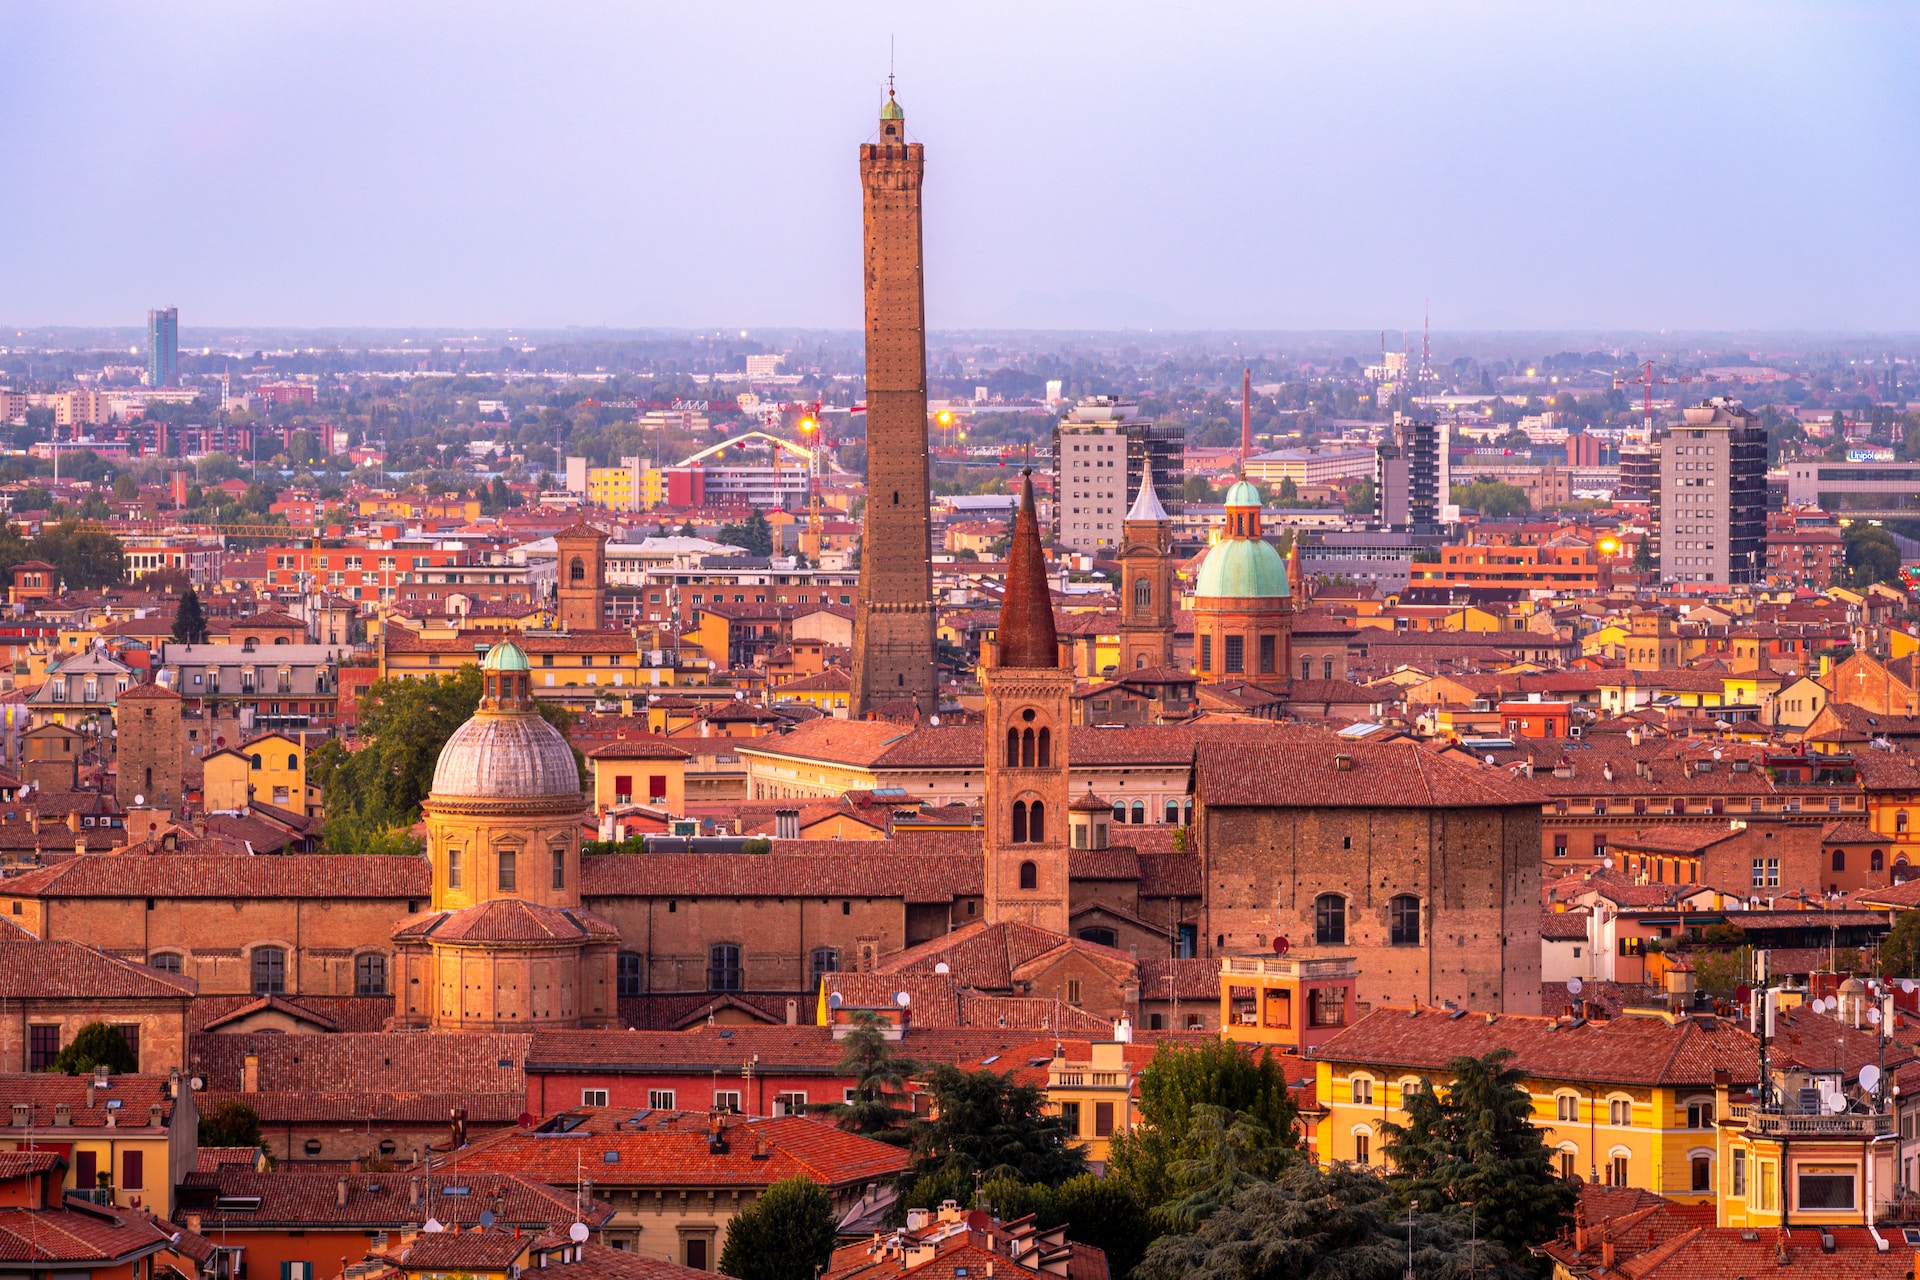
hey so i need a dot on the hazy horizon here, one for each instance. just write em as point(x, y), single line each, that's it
point(1721, 170)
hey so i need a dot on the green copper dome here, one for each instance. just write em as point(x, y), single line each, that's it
point(892, 110)
point(1243, 494)
point(1242, 569)
point(506, 656)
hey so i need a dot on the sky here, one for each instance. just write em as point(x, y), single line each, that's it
point(1661, 166)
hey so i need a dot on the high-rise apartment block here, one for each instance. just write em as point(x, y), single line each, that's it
point(1097, 447)
point(163, 347)
point(1410, 476)
point(1710, 509)
point(893, 621)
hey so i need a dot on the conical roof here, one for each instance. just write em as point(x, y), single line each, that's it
point(1147, 505)
point(1027, 637)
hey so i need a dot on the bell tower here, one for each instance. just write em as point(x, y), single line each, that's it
point(1146, 581)
point(1029, 706)
point(583, 577)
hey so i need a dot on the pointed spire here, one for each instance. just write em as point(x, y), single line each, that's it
point(1027, 638)
point(1147, 505)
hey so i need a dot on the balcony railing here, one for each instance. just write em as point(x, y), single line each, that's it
point(1800, 1126)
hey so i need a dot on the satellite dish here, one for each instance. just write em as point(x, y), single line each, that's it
point(526, 1120)
point(712, 665)
point(578, 1233)
point(486, 1219)
point(943, 967)
point(1873, 1016)
point(1716, 753)
point(433, 1224)
point(1906, 985)
point(934, 721)
point(739, 694)
point(139, 800)
point(1489, 757)
point(196, 1084)
point(1280, 944)
point(835, 1000)
point(902, 999)
point(1607, 863)
point(1870, 1076)
point(1575, 986)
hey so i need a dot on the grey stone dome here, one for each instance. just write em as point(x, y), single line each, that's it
point(506, 757)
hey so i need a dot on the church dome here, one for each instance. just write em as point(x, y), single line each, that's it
point(1243, 494)
point(1242, 569)
point(506, 757)
point(506, 656)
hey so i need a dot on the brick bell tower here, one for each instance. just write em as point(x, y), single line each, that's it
point(1028, 710)
point(893, 624)
point(1146, 581)
point(581, 604)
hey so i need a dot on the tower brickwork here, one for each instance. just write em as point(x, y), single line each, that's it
point(148, 748)
point(1029, 707)
point(1146, 581)
point(582, 591)
point(893, 629)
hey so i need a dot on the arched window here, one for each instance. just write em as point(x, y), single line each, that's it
point(1839, 859)
point(1173, 812)
point(1701, 1166)
point(1403, 920)
point(1119, 810)
point(1620, 1111)
point(1330, 920)
point(1019, 822)
point(370, 974)
point(1142, 594)
point(1103, 936)
point(577, 571)
point(254, 760)
point(293, 762)
point(165, 962)
point(1877, 861)
point(1139, 813)
point(1037, 823)
point(630, 977)
point(1026, 748)
point(1013, 748)
point(269, 971)
point(723, 967)
point(1900, 820)
point(1566, 1107)
point(1029, 876)
point(1045, 757)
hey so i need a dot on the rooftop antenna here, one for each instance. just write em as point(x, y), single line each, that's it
point(1246, 418)
point(889, 66)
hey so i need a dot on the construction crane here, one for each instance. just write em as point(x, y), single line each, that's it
point(1647, 381)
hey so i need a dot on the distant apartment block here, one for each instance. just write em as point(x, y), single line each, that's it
point(1098, 450)
point(1710, 514)
point(163, 347)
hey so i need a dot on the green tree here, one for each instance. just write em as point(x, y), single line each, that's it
point(787, 1234)
point(1198, 489)
point(878, 1106)
point(1493, 498)
point(1643, 555)
point(1177, 1086)
point(96, 1045)
point(1104, 1212)
point(1288, 491)
point(125, 489)
point(1475, 1142)
point(374, 793)
point(1872, 555)
point(755, 535)
point(990, 1124)
point(1360, 498)
point(1900, 949)
point(1335, 1224)
point(85, 558)
point(230, 1124)
point(189, 622)
point(1721, 973)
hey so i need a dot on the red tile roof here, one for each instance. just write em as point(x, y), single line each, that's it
point(472, 1062)
point(850, 868)
point(76, 1234)
point(510, 922)
point(67, 970)
point(1301, 767)
point(215, 876)
point(129, 1099)
point(375, 1201)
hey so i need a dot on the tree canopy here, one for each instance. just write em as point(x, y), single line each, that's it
point(1872, 555)
point(877, 1104)
point(189, 621)
point(1474, 1141)
point(1492, 498)
point(96, 1045)
point(991, 1125)
point(230, 1124)
point(787, 1234)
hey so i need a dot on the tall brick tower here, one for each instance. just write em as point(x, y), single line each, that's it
point(147, 748)
point(1146, 577)
point(583, 577)
point(1029, 696)
point(893, 624)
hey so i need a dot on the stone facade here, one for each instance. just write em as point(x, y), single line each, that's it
point(148, 748)
point(582, 569)
point(893, 645)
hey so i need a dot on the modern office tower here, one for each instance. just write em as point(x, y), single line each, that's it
point(1408, 473)
point(893, 646)
point(1710, 513)
point(163, 347)
point(1098, 450)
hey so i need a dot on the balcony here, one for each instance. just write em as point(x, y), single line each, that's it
point(1300, 967)
point(1773, 1124)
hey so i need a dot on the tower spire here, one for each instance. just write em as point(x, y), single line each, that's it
point(1246, 419)
point(1146, 505)
point(1027, 636)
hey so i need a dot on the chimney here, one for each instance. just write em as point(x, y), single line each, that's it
point(250, 1074)
point(33, 820)
point(156, 1116)
point(413, 1193)
point(340, 1193)
point(62, 1113)
point(1606, 1249)
point(89, 1095)
point(1581, 1236)
point(793, 1013)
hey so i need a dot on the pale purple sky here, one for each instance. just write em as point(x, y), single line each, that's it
point(1701, 165)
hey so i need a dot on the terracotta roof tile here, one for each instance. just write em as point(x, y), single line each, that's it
point(375, 1201)
point(1290, 766)
point(213, 876)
